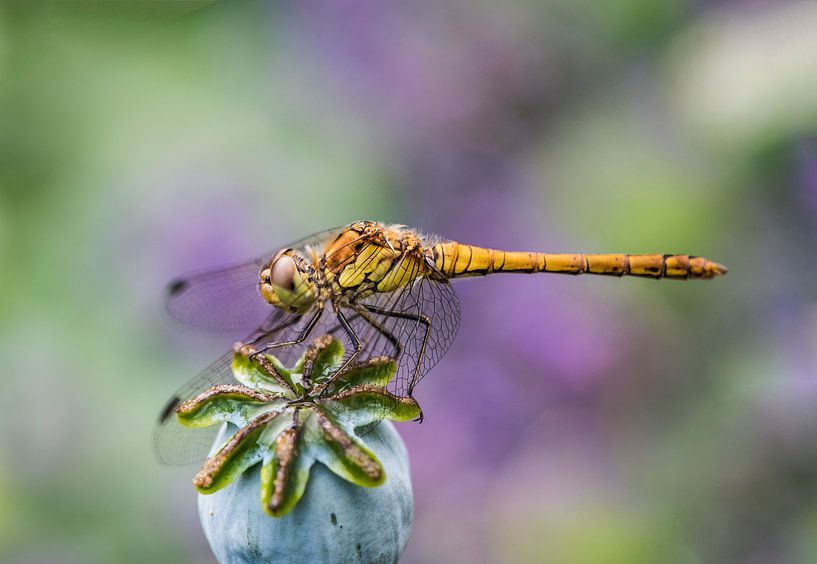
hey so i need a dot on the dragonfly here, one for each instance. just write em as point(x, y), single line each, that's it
point(385, 288)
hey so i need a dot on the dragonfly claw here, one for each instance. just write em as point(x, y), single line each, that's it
point(419, 418)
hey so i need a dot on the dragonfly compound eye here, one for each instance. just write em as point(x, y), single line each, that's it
point(283, 273)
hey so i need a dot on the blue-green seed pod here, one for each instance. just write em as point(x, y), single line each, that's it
point(334, 521)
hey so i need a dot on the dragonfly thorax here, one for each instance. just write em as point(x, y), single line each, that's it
point(369, 258)
point(288, 282)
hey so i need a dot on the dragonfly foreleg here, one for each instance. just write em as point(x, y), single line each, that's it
point(334, 329)
point(263, 333)
point(297, 340)
point(355, 342)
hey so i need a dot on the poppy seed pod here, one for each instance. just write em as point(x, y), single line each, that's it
point(335, 520)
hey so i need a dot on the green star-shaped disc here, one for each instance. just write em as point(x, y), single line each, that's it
point(289, 418)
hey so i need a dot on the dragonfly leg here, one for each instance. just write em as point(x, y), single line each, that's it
point(299, 339)
point(338, 326)
point(418, 317)
point(355, 342)
point(262, 332)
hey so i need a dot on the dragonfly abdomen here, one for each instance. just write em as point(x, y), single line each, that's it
point(455, 260)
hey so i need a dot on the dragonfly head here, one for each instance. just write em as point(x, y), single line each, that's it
point(286, 283)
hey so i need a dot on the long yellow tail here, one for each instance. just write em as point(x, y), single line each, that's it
point(456, 261)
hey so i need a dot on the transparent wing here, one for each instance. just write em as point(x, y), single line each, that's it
point(221, 299)
point(227, 298)
point(177, 445)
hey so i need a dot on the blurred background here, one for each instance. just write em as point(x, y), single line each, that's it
point(587, 420)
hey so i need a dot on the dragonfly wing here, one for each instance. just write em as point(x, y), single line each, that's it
point(177, 445)
point(221, 299)
point(227, 298)
point(423, 317)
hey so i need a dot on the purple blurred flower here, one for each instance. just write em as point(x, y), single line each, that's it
point(432, 73)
